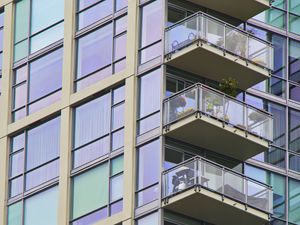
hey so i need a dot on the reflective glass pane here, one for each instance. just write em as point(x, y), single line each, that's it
point(45, 13)
point(45, 75)
point(92, 120)
point(148, 164)
point(90, 190)
point(294, 24)
point(21, 50)
point(116, 185)
point(43, 143)
point(22, 20)
point(273, 17)
point(120, 47)
point(117, 165)
point(42, 208)
point(94, 51)
point(294, 201)
point(95, 13)
point(15, 214)
point(47, 37)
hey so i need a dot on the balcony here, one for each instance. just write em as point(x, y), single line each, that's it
point(243, 10)
point(205, 117)
point(210, 48)
point(204, 190)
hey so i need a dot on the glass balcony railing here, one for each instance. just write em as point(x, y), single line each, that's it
point(205, 28)
point(200, 172)
point(207, 101)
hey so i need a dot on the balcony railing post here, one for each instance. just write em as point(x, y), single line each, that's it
point(223, 182)
point(196, 172)
point(246, 190)
point(198, 97)
point(199, 172)
point(246, 118)
point(224, 37)
point(247, 47)
point(197, 26)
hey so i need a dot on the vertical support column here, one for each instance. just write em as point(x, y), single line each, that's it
point(65, 167)
point(4, 146)
point(132, 37)
point(5, 98)
point(5, 108)
point(129, 150)
point(66, 113)
point(69, 51)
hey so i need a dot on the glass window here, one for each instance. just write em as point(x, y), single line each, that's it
point(149, 86)
point(99, 127)
point(294, 162)
point(152, 219)
point(273, 17)
point(101, 53)
point(96, 196)
point(37, 84)
point(294, 61)
point(39, 209)
point(294, 130)
point(148, 172)
point(90, 12)
point(274, 156)
point(42, 208)
point(294, 6)
point(294, 201)
point(38, 23)
point(279, 116)
point(151, 31)
point(40, 156)
point(279, 44)
point(276, 181)
point(294, 24)
point(98, 192)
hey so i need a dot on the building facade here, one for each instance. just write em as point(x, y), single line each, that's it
point(119, 112)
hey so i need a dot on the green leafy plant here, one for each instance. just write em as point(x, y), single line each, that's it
point(229, 86)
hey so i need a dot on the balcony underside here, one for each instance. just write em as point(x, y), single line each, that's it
point(210, 62)
point(243, 10)
point(209, 206)
point(209, 133)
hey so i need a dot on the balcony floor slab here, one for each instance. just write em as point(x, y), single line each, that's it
point(212, 134)
point(242, 10)
point(210, 62)
point(211, 207)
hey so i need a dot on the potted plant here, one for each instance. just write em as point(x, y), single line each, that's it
point(230, 87)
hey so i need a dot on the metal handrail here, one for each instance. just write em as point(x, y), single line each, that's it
point(216, 164)
point(267, 47)
point(195, 164)
point(221, 21)
point(218, 92)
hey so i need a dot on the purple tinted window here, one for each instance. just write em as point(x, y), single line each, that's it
point(16, 186)
point(91, 152)
point(43, 143)
point(116, 207)
point(148, 168)
point(95, 13)
point(94, 51)
point(92, 218)
point(121, 4)
point(17, 164)
point(120, 47)
point(82, 4)
point(148, 195)
point(45, 75)
point(42, 174)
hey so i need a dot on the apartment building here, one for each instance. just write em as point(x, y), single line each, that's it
point(149, 112)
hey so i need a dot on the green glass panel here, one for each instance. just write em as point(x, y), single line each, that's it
point(295, 6)
point(279, 4)
point(294, 201)
point(117, 165)
point(22, 20)
point(294, 24)
point(45, 13)
point(276, 181)
point(90, 190)
point(272, 17)
point(21, 50)
point(15, 214)
point(42, 208)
